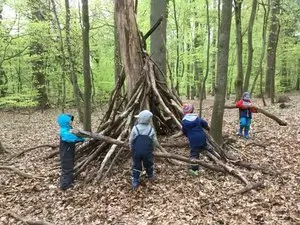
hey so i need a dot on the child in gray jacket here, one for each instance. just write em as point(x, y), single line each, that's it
point(142, 142)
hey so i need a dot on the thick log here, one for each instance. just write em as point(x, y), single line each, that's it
point(260, 110)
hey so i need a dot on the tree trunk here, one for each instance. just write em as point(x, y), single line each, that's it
point(37, 52)
point(222, 68)
point(87, 117)
point(239, 48)
point(158, 38)
point(3, 77)
point(73, 74)
point(259, 72)
point(271, 50)
point(250, 45)
point(130, 44)
point(207, 58)
point(63, 58)
point(118, 63)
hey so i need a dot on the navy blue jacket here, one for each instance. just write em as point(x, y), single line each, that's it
point(192, 128)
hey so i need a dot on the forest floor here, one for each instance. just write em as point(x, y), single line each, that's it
point(176, 197)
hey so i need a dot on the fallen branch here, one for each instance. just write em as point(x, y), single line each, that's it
point(24, 220)
point(260, 110)
point(221, 167)
point(33, 148)
point(250, 187)
point(19, 172)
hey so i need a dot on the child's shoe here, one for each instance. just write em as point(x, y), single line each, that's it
point(135, 184)
point(240, 133)
point(193, 172)
point(246, 134)
point(153, 178)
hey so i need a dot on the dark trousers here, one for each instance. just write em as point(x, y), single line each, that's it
point(67, 158)
point(195, 154)
point(140, 159)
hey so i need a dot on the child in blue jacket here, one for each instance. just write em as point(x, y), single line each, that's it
point(142, 142)
point(192, 128)
point(67, 150)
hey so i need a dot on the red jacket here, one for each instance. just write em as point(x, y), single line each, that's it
point(245, 108)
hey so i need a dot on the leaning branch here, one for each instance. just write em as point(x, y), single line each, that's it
point(267, 114)
point(33, 148)
point(19, 172)
point(24, 220)
point(220, 167)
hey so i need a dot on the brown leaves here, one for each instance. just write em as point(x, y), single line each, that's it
point(176, 198)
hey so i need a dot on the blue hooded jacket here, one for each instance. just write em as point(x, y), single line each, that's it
point(192, 127)
point(64, 122)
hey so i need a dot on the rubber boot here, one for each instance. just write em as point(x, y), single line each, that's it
point(246, 133)
point(240, 131)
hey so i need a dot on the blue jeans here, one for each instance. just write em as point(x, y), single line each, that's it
point(245, 123)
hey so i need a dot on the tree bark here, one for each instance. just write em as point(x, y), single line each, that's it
point(158, 38)
point(271, 50)
point(37, 51)
point(87, 117)
point(73, 74)
point(221, 83)
point(250, 45)
point(239, 49)
point(130, 43)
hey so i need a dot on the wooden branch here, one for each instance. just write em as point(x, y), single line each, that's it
point(24, 220)
point(260, 110)
point(19, 172)
point(254, 186)
point(33, 148)
point(229, 169)
point(153, 28)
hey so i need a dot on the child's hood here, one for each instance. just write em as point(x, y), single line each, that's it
point(144, 117)
point(63, 120)
point(190, 117)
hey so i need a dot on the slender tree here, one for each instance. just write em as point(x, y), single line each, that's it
point(222, 68)
point(250, 45)
point(271, 50)
point(87, 119)
point(239, 49)
point(158, 37)
point(71, 63)
point(37, 53)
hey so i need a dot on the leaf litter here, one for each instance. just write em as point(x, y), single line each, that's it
point(175, 198)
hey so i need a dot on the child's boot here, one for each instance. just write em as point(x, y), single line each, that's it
point(246, 134)
point(135, 184)
point(241, 131)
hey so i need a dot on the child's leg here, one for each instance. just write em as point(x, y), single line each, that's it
point(194, 154)
point(67, 154)
point(243, 122)
point(247, 128)
point(148, 164)
point(136, 169)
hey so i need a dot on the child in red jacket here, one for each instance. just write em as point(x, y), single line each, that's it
point(245, 113)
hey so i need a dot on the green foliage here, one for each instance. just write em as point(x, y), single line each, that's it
point(17, 32)
point(18, 101)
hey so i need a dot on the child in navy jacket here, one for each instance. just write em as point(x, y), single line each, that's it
point(245, 114)
point(192, 128)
